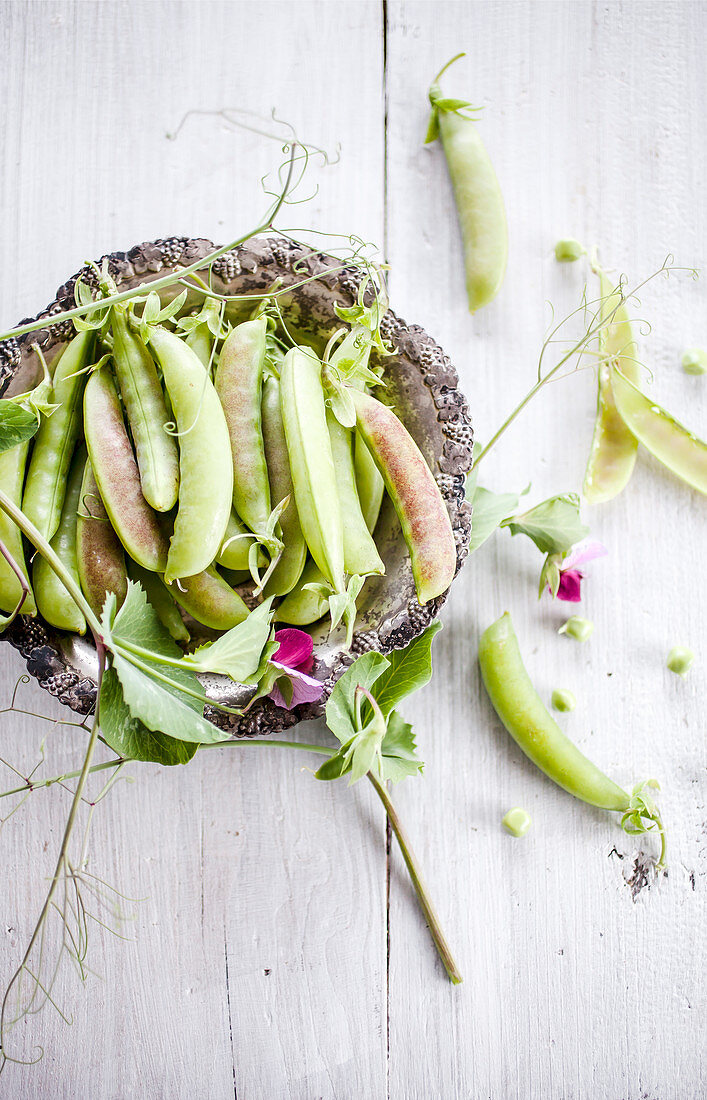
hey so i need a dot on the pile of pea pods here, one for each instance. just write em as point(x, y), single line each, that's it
point(208, 463)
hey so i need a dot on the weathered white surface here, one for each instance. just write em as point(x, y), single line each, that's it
point(594, 118)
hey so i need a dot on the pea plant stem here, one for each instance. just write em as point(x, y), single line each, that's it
point(412, 865)
point(166, 280)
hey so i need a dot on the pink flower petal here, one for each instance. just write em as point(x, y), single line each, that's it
point(305, 689)
point(296, 648)
point(570, 586)
point(586, 550)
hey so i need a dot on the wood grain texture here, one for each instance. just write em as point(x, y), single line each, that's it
point(259, 965)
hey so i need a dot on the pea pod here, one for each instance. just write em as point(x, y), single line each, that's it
point(56, 439)
point(660, 433)
point(369, 483)
point(613, 451)
point(210, 600)
point(301, 607)
point(479, 202)
point(99, 554)
point(312, 462)
point(162, 600)
point(360, 553)
point(155, 448)
point(201, 338)
point(526, 718)
point(54, 603)
point(12, 474)
point(117, 475)
point(412, 488)
point(235, 548)
point(239, 384)
point(289, 568)
point(205, 466)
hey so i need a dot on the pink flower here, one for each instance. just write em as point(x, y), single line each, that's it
point(570, 576)
point(294, 658)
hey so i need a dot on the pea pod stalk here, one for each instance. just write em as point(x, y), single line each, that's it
point(479, 202)
point(535, 731)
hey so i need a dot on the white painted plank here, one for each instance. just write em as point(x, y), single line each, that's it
point(593, 118)
point(243, 861)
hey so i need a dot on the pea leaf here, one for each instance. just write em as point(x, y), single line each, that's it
point(488, 512)
point(408, 670)
point(554, 525)
point(17, 424)
point(340, 709)
point(399, 757)
point(129, 737)
point(238, 652)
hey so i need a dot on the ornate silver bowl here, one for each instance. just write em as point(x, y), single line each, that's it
point(421, 382)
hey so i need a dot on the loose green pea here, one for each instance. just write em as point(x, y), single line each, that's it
point(517, 821)
point(578, 628)
point(563, 700)
point(694, 361)
point(568, 250)
point(680, 660)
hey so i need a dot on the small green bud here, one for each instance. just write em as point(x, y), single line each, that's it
point(578, 628)
point(563, 700)
point(517, 821)
point(566, 251)
point(680, 660)
point(694, 361)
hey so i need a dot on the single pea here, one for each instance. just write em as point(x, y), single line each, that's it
point(680, 660)
point(694, 361)
point(578, 628)
point(568, 250)
point(517, 821)
point(563, 700)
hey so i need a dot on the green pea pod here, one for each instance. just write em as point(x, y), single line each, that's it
point(205, 465)
point(12, 474)
point(210, 600)
point(56, 439)
point(412, 488)
point(312, 463)
point(301, 607)
point(478, 198)
point(660, 433)
point(289, 568)
point(235, 548)
point(529, 723)
point(54, 603)
point(360, 553)
point(369, 483)
point(239, 384)
point(155, 448)
point(613, 451)
point(99, 553)
point(162, 600)
point(117, 475)
point(201, 342)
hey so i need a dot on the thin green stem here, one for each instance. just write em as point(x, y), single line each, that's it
point(124, 650)
point(166, 280)
point(40, 543)
point(30, 786)
point(444, 68)
point(412, 865)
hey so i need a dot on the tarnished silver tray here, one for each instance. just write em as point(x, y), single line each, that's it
point(422, 384)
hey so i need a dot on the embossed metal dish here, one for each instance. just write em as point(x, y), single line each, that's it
point(421, 383)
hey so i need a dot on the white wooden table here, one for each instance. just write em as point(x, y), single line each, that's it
point(278, 952)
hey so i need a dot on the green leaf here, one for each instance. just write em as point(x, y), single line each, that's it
point(340, 708)
point(129, 737)
point(17, 424)
point(488, 512)
point(238, 652)
point(554, 525)
point(342, 406)
point(336, 766)
point(432, 128)
point(399, 757)
point(550, 575)
point(408, 670)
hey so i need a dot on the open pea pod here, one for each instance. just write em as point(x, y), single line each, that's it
point(660, 433)
point(613, 451)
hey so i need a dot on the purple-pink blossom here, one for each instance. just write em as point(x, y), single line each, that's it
point(294, 658)
point(570, 576)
